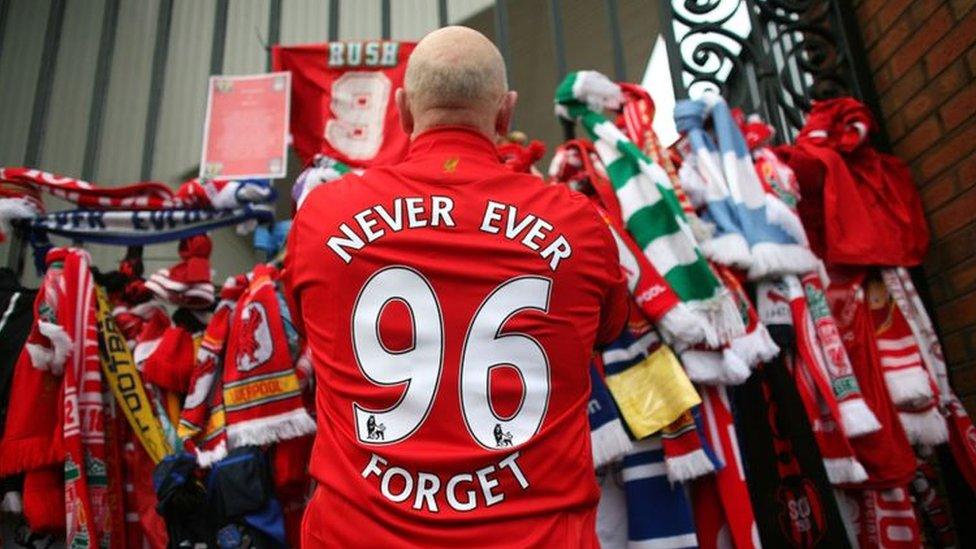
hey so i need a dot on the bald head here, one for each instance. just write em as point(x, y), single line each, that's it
point(455, 76)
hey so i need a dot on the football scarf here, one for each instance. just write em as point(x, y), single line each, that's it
point(755, 346)
point(884, 518)
point(187, 284)
point(611, 512)
point(732, 363)
point(886, 453)
point(962, 434)
point(857, 416)
point(576, 165)
point(909, 385)
point(748, 233)
point(85, 477)
point(728, 487)
point(658, 514)
point(930, 506)
point(791, 495)
point(812, 381)
point(125, 383)
point(32, 430)
point(262, 396)
point(647, 382)
point(608, 437)
point(650, 209)
point(519, 156)
point(342, 99)
point(686, 453)
point(637, 120)
point(865, 204)
point(138, 196)
point(141, 227)
point(202, 424)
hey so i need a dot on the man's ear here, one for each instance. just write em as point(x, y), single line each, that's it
point(505, 112)
point(403, 106)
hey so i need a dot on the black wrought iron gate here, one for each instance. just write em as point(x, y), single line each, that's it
point(772, 57)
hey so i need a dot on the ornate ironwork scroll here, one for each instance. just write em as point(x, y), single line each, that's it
point(768, 56)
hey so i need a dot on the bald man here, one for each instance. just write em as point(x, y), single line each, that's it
point(451, 308)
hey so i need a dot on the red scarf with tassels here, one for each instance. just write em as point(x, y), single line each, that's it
point(85, 472)
point(886, 454)
point(202, 424)
point(262, 396)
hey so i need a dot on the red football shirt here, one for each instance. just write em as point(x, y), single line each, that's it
point(451, 307)
point(342, 99)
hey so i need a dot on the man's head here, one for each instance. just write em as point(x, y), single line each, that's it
point(455, 77)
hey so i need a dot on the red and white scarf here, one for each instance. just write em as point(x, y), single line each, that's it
point(86, 480)
point(909, 384)
point(262, 395)
point(729, 485)
point(882, 519)
point(784, 303)
point(857, 416)
point(962, 433)
point(886, 454)
point(202, 426)
point(187, 283)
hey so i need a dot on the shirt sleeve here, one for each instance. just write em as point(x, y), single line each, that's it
point(615, 308)
point(295, 273)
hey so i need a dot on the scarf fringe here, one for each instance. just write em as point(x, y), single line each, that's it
point(755, 347)
point(857, 418)
point(728, 249)
point(845, 470)
point(735, 370)
point(715, 367)
point(927, 428)
point(773, 260)
point(610, 443)
point(206, 458)
point(688, 466)
point(12, 503)
point(782, 216)
point(15, 208)
point(20, 456)
point(50, 360)
point(291, 424)
point(721, 313)
point(700, 229)
point(908, 386)
point(685, 328)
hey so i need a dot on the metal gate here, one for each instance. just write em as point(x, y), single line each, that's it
point(772, 57)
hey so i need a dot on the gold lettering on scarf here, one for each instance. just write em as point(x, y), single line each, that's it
point(123, 377)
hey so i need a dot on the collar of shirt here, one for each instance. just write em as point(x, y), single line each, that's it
point(453, 143)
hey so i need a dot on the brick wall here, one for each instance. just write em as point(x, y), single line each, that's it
point(923, 56)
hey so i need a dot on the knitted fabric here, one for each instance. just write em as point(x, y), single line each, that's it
point(262, 396)
point(650, 209)
point(202, 425)
point(658, 513)
point(962, 434)
point(911, 388)
point(608, 437)
point(721, 178)
point(886, 454)
point(576, 164)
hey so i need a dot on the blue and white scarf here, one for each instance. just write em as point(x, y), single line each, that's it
point(608, 437)
point(719, 176)
point(142, 227)
point(658, 513)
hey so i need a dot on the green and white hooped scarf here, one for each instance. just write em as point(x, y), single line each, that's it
point(651, 211)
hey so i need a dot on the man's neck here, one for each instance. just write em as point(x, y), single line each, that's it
point(436, 118)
